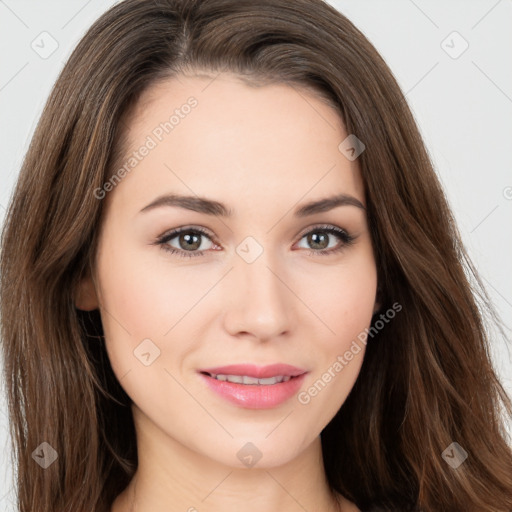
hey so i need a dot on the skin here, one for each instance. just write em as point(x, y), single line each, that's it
point(262, 152)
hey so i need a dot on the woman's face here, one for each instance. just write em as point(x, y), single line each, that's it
point(259, 281)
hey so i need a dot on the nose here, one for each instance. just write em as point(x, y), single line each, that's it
point(260, 304)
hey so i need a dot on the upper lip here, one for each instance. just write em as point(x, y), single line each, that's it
point(258, 372)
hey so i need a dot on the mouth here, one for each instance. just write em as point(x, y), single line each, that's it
point(254, 387)
point(253, 371)
point(250, 381)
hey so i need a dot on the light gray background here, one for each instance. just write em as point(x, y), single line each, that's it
point(463, 106)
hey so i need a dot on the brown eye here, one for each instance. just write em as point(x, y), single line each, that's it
point(322, 240)
point(318, 241)
point(185, 242)
point(189, 241)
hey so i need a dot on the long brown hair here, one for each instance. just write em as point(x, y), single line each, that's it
point(427, 378)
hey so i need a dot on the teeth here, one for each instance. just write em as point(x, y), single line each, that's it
point(249, 380)
point(239, 379)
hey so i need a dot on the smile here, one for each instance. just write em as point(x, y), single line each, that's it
point(245, 379)
point(254, 387)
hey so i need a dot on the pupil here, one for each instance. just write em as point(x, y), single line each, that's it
point(318, 241)
point(314, 240)
point(189, 240)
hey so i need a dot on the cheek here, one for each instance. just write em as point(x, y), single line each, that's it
point(144, 297)
point(345, 307)
point(353, 309)
point(344, 298)
point(147, 297)
point(130, 305)
point(143, 293)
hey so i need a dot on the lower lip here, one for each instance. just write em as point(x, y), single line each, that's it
point(255, 396)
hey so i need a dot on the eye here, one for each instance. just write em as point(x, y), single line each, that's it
point(188, 241)
point(319, 239)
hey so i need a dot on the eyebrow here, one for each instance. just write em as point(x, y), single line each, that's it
point(217, 209)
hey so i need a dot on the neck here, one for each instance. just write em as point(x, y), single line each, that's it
point(172, 477)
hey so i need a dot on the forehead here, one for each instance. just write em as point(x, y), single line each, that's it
point(216, 135)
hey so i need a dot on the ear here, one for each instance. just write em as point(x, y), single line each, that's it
point(86, 298)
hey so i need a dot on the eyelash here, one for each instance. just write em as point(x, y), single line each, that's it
point(345, 238)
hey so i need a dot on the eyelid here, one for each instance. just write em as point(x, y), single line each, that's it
point(345, 237)
point(318, 226)
point(177, 231)
point(209, 233)
point(173, 233)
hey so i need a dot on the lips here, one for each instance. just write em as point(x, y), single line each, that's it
point(258, 372)
point(254, 387)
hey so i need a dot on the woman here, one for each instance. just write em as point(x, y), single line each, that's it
point(323, 352)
